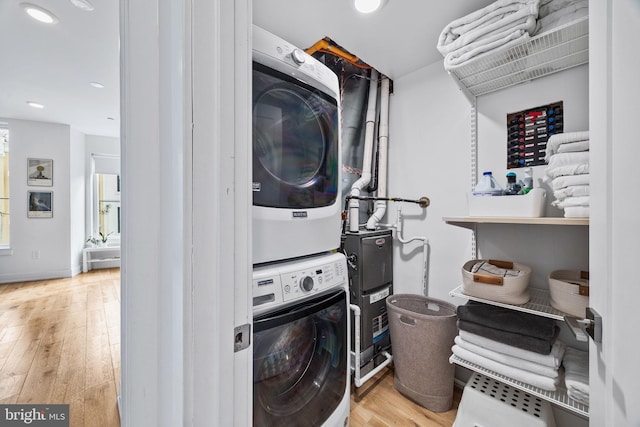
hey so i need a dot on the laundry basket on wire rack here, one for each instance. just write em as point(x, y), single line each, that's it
point(422, 331)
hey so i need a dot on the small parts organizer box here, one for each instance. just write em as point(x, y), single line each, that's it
point(500, 281)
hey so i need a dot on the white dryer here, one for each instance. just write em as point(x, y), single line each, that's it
point(301, 343)
point(296, 152)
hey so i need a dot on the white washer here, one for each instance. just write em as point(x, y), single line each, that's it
point(301, 327)
point(296, 152)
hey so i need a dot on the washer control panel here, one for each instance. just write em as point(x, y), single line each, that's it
point(292, 280)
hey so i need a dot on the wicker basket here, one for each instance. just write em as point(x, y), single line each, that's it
point(508, 290)
point(569, 291)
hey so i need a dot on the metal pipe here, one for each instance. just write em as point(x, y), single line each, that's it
point(383, 137)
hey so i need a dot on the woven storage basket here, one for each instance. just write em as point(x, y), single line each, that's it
point(569, 291)
point(508, 290)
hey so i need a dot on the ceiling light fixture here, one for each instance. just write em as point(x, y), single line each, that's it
point(96, 85)
point(83, 5)
point(35, 104)
point(39, 14)
point(368, 6)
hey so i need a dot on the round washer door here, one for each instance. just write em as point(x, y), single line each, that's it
point(295, 143)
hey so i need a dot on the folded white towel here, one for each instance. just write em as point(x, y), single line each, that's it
point(506, 359)
point(555, 141)
point(493, 18)
point(571, 191)
point(577, 169)
point(528, 377)
point(572, 147)
point(553, 359)
point(505, 40)
point(576, 372)
point(576, 212)
point(569, 180)
point(569, 12)
point(562, 159)
point(571, 201)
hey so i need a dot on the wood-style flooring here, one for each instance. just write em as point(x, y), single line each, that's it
point(60, 343)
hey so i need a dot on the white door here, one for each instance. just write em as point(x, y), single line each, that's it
point(614, 91)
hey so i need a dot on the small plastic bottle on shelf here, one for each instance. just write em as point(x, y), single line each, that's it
point(487, 186)
point(527, 184)
point(513, 187)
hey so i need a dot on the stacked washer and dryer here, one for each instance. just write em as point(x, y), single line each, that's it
point(300, 284)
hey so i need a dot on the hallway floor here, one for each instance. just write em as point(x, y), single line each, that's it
point(60, 343)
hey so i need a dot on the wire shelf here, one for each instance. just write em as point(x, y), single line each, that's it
point(558, 397)
point(561, 48)
point(538, 303)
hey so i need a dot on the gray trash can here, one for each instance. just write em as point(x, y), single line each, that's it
point(422, 331)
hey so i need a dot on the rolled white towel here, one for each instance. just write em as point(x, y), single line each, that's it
point(577, 169)
point(555, 141)
point(572, 201)
point(497, 16)
point(569, 180)
point(576, 212)
point(576, 371)
point(571, 191)
point(562, 159)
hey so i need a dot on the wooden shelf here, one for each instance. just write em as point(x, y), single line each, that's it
point(467, 221)
point(558, 397)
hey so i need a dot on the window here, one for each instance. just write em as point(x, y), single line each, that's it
point(4, 186)
point(108, 197)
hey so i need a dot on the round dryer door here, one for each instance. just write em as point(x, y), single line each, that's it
point(300, 363)
point(295, 142)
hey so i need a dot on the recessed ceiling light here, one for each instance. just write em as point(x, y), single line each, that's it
point(83, 4)
point(39, 14)
point(34, 104)
point(97, 85)
point(368, 6)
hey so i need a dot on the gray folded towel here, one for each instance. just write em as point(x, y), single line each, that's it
point(542, 346)
point(505, 319)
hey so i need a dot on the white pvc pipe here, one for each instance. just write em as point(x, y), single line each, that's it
point(425, 248)
point(367, 159)
point(383, 138)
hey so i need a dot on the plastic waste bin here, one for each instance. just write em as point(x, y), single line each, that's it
point(422, 331)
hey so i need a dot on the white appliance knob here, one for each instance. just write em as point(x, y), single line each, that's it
point(306, 283)
point(298, 56)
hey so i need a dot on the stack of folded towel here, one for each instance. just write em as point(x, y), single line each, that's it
point(576, 375)
point(502, 24)
point(568, 171)
point(554, 13)
point(518, 345)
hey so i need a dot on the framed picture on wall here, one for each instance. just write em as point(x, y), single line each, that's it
point(40, 172)
point(40, 204)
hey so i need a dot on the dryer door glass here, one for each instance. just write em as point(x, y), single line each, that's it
point(300, 363)
point(295, 142)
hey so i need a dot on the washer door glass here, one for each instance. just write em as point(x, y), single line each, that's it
point(300, 363)
point(295, 142)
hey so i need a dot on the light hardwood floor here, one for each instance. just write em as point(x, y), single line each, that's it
point(60, 343)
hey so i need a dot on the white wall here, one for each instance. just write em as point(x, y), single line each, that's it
point(77, 185)
point(41, 247)
point(429, 141)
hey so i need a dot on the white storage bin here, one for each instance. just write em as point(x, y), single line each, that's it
point(508, 290)
point(531, 204)
point(490, 403)
point(569, 291)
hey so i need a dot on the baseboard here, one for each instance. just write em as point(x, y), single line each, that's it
point(35, 275)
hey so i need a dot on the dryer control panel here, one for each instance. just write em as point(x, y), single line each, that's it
point(276, 285)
